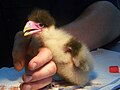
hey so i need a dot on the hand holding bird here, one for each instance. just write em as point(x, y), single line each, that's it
point(72, 58)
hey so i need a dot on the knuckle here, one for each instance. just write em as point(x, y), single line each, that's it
point(53, 68)
point(47, 51)
point(50, 80)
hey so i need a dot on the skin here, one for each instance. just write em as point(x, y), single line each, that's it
point(95, 27)
point(98, 25)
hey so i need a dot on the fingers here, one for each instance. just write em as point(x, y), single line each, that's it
point(36, 85)
point(19, 50)
point(40, 78)
point(42, 58)
point(48, 70)
point(41, 70)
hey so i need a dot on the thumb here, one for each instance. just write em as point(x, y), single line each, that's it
point(19, 50)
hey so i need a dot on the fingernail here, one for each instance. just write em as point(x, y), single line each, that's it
point(27, 87)
point(28, 78)
point(18, 64)
point(34, 66)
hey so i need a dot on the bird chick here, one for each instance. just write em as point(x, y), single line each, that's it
point(72, 58)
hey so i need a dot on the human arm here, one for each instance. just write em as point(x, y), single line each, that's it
point(98, 25)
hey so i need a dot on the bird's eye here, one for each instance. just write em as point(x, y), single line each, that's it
point(41, 25)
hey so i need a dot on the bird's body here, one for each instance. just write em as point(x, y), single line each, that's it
point(72, 58)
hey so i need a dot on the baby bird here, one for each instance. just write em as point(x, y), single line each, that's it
point(72, 58)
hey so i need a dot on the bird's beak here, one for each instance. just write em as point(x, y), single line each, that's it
point(31, 28)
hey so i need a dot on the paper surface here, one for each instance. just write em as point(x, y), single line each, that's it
point(101, 78)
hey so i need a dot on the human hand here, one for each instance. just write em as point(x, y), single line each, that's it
point(41, 68)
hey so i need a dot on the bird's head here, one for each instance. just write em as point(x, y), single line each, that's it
point(37, 21)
